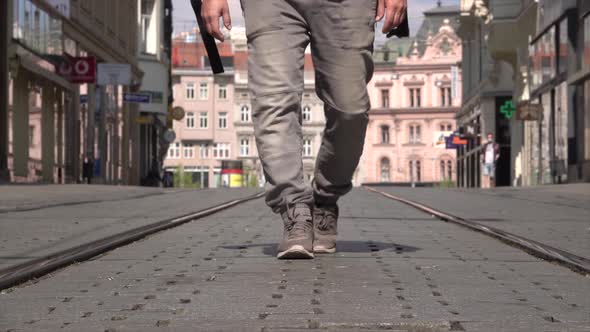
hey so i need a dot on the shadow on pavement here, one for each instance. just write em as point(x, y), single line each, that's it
point(270, 249)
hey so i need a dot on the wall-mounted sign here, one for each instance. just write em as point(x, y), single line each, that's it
point(137, 98)
point(114, 74)
point(530, 112)
point(78, 69)
point(177, 113)
point(508, 109)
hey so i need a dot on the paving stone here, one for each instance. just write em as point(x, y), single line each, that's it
point(397, 269)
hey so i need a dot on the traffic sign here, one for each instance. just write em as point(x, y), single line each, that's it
point(138, 98)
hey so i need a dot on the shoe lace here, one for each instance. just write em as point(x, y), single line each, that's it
point(326, 219)
point(299, 225)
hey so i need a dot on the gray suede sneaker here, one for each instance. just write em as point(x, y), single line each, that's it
point(325, 220)
point(298, 233)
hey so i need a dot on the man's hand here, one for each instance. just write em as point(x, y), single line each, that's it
point(211, 11)
point(393, 11)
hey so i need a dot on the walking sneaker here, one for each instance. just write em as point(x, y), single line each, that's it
point(325, 219)
point(298, 233)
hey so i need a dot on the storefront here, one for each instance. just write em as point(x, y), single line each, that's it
point(580, 82)
point(552, 141)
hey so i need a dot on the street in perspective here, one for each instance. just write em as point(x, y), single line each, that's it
point(295, 165)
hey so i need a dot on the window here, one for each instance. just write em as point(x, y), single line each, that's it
point(415, 132)
point(385, 98)
point(222, 120)
point(245, 113)
point(222, 92)
point(31, 136)
point(445, 97)
point(307, 148)
point(385, 170)
point(446, 127)
point(174, 151)
point(446, 169)
point(415, 97)
point(586, 54)
point(221, 150)
point(384, 134)
point(203, 91)
point(415, 171)
point(190, 120)
point(190, 91)
point(244, 147)
point(306, 113)
point(148, 27)
point(204, 151)
point(203, 120)
point(543, 59)
point(563, 44)
point(189, 151)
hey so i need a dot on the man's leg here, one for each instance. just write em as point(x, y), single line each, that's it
point(277, 38)
point(342, 35)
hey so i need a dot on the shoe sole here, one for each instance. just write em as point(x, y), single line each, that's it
point(295, 252)
point(323, 250)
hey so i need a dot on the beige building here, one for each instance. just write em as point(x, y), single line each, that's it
point(55, 124)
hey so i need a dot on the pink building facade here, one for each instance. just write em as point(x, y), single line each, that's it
point(414, 101)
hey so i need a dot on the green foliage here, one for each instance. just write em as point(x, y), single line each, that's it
point(446, 184)
point(183, 179)
point(253, 180)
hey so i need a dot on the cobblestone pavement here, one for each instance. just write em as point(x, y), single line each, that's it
point(397, 269)
point(26, 235)
point(30, 197)
point(554, 215)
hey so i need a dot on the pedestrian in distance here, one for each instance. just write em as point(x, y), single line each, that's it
point(489, 158)
point(341, 35)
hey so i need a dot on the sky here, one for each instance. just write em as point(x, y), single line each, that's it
point(184, 18)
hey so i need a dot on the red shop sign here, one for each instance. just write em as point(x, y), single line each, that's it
point(78, 69)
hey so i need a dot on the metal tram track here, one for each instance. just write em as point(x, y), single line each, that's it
point(572, 261)
point(18, 274)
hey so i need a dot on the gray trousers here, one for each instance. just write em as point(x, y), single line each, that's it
point(341, 33)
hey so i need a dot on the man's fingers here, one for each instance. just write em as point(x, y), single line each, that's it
point(380, 10)
point(388, 23)
point(226, 18)
point(211, 20)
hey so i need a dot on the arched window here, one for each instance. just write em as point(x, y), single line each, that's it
point(446, 168)
point(245, 114)
point(385, 169)
point(306, 113)
point(415, 170)
point(384, 134)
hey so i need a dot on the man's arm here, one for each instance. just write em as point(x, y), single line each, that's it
point(393, 11)
point(211, 11)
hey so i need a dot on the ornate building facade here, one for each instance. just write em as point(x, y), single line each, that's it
point(415, 97)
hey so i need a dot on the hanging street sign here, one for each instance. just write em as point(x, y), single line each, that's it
point(137, 98)
point(508, 109)
point(113, 74)
point(530, 112)
point(78, 69)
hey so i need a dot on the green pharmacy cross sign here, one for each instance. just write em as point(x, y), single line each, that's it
point(508, 109)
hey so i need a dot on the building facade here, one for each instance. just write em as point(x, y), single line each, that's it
point(218, 113)
point(525, 83)
point(415, 97)
point(54, 124)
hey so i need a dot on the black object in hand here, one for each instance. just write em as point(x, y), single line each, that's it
point(402, 30)
point(208, 40)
